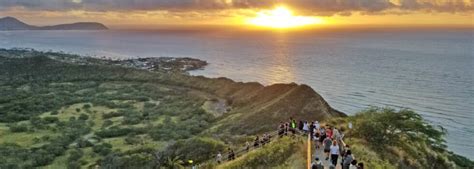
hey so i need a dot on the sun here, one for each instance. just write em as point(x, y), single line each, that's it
point(281, 18)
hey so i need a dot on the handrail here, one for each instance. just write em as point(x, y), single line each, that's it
point(273, 136)
point(309, 155)
point(251, 147)
point(243, 151)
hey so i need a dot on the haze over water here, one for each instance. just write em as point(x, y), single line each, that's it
point(429, 71)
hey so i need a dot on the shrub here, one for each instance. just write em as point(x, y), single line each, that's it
point(86, 106)
point(132, 140)
point(17, 128)
point(82, 143)
point(50, 119)
point(41, 158)
point(132, 119)
point(83, 117)
point(102, 149)
point(118, 131)
point(75, 155)
point(112, 114)
point(461, 161)
point(138, 160)
point(73, 165)
point(54, 112)
point(107, 123)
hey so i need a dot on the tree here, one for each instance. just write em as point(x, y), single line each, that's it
point(174, 163)
point(386, 127)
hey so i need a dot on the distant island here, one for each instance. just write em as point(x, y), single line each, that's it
point(11, 23)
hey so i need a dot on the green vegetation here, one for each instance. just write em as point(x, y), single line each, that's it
point(75, 116)
point(271, 155)
point(63, 111)
point(386, 138)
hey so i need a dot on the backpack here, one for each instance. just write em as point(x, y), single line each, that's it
point(314, 166)
point(317, 166)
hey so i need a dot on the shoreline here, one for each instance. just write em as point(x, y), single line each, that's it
point(146, 64)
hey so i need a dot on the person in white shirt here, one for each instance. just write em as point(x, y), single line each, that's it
point(334, 151)
point(317, 125)
point(219, 158)
point(353, 165)
point(305, 127)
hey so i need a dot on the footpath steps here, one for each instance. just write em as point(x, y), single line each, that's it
point(312, 152)
point(322, 157)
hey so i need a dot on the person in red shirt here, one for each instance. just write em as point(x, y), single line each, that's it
point(328, 132)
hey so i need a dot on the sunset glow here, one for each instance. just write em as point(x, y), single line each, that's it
point(271, 14)
point(282, 17)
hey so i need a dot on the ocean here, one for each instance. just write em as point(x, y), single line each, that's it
point(427, 70)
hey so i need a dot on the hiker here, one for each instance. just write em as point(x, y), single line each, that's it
point(305, 127)
point(317, 164)
point(346, 151)
point(287, 127)
point(336, 135)
point(334, 150)
point(322, 133)
point(311, 130)
point(300, 125)
point(219, 157)
point(322, 130)
point(327, 146)
point(328, 131)
point(230, 154)
point(353, 164)
point(317, 139)
point(281, 129)
point(247, 146)
point(256, 143)
point(347, 159)
point(360, 165)
point(317, 125)
point(264, 139)
point(292, 125)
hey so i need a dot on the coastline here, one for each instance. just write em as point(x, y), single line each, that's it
point(238, 108)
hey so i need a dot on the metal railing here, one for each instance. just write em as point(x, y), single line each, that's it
point(273, 136)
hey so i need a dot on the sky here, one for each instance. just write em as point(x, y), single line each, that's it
point(158, 13)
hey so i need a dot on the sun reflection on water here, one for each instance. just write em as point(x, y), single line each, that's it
point(281, 70)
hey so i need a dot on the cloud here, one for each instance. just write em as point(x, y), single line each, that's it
point(322, 7)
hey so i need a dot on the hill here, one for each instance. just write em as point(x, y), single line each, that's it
point(10, 23)
point(61, 110)
point(381, 138)
point(66, 111)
